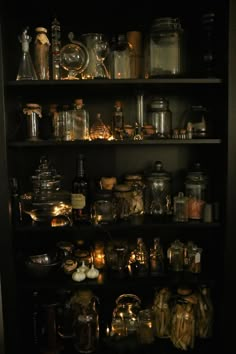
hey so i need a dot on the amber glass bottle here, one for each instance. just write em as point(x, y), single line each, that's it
point(80, 194)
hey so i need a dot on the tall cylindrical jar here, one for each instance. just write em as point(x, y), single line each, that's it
point(195, 189)
point(86, 321)
point(33, 113)
point(164, 48)
point(41, 53)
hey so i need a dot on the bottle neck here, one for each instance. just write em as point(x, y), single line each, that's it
point(80, 167)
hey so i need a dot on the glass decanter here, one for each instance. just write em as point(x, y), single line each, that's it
point(101, 49)
point(26, 69)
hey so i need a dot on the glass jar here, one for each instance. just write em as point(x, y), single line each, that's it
point(159, 116)
point(86, 321)
point(145, 330)
point(157, 200)
point(103, 208)
point(32, 112)
point(135, 181)
point(195, 189)
point(123, 196)
point(41, 53)
point(183, 319)
point(175, 256)
point(164, 48)
point(162, 312)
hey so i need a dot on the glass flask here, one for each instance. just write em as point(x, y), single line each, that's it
point(74, 58)
point(26, 68)
point(101, 48)
point(99, 130)
point(86, 321)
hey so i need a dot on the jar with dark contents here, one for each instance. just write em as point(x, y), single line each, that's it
point(135, 182)
point(123, 197)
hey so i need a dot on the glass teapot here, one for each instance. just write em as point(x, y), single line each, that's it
point(125, 315)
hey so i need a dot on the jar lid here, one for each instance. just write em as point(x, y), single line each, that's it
point(41, 29)
point(122, 188)
point(158, 171)
point(133, 177)
point(103, 194)
point(196, 173)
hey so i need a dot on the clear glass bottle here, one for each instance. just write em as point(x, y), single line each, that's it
point(41, 53)
point(156, 258)
point(80, 121)
point(26, 69)
point(56, 47)
point(139, 261)
point(118, 121)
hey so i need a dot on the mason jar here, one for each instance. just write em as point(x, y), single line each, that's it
point(159, 116)
point(164, 48)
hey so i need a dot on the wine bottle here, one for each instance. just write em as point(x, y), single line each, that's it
point(80, 194)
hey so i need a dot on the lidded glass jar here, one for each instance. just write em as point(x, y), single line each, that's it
point(123, 196)
point(195, 189)
point(103, 207)
point(164, 48)
point(135, 181)
point(157, 200)
point(86, 321)
point(160, 117)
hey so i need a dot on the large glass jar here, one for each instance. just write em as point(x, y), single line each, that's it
point(157, 201)
point(86, 321)
point(164, 48)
